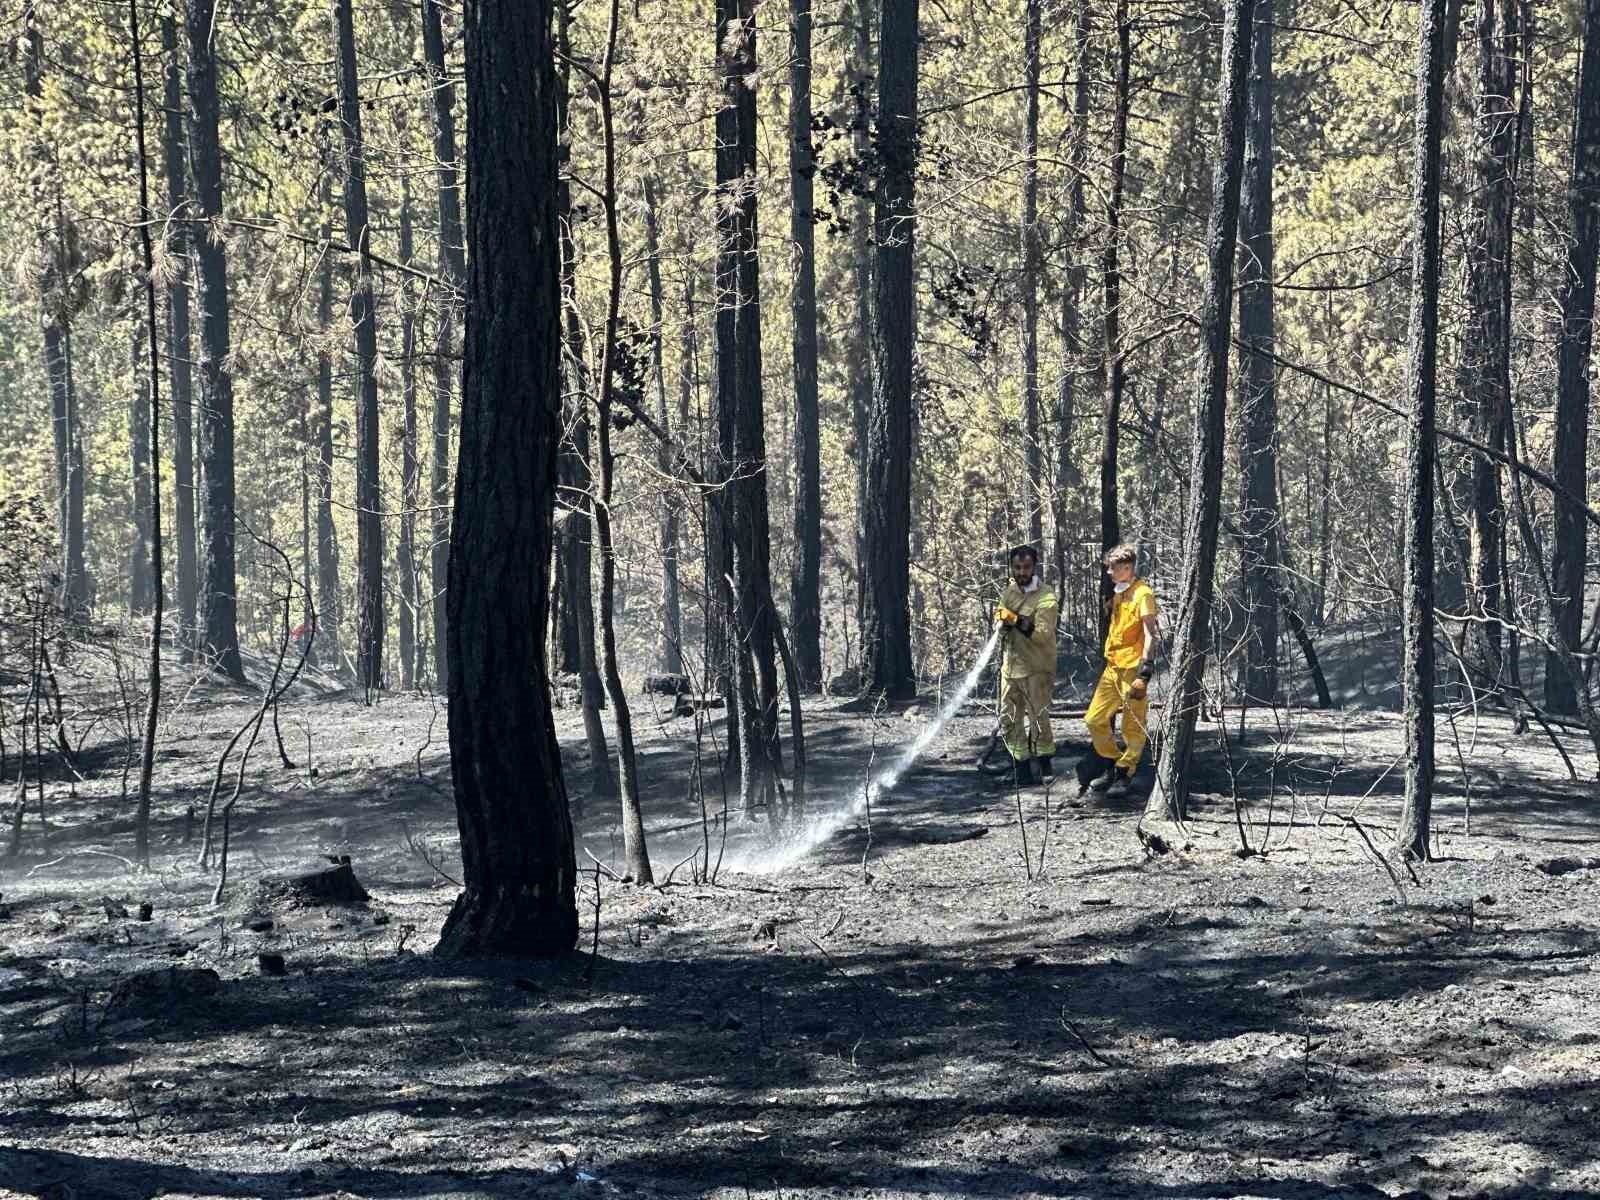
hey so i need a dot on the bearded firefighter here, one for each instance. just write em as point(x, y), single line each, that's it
point(1027, 614)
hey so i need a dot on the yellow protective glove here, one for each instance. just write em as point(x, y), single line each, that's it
point(1004, 615)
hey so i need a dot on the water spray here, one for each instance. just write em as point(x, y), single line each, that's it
point(814, 832)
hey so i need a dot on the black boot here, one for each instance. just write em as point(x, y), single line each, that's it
point(1047, 768)
point(1095, 772)
point(1026, 772)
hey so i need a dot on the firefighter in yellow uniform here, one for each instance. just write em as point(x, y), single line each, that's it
point(1028, 611)
point(1132, 636)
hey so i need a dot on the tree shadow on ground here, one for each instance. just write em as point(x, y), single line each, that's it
point(794, 1066)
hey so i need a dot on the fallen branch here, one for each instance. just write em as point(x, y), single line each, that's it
point(1084, 1042)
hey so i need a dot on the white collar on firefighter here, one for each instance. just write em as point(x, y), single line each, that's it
point(1033, 585)
point(1119, 588)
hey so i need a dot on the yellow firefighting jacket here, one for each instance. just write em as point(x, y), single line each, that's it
point(1034, 655)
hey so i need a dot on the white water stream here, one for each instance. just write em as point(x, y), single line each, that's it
point(819, 826)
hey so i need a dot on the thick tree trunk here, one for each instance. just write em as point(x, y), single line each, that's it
point(405, 551)
point(1417, 677)
point(1033, 442)
point(669, 642)
point(363, 318)
point(805, 590)
point(886, 631)
point(219, 638)
point(1573, 351)
point(179, 354)
point(328, 608)
point(1111, 417)
point(1259, 514)
point(1072, 347)
point(741, 409)
point(516, 835)
point(453, 267)
point(1169, 798)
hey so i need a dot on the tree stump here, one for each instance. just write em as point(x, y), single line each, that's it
point(335, 884)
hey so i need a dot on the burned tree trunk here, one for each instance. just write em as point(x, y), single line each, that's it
point(453, 267)
point(1573, 356)
point(327, 632)
point(1115, 369)
point(805, 590)
point(58, 305)
point(740, 408)
point(1417, 678)
point(141, 583)
point(1259, 515)
point(511, 804)
point(363, 317)
point(1032, 265)
point(1484, 377)
point(859, 354)
point(669, 644)
point(178, 348)
point(635, 851)
point(1169, 798)
point(219, 639)
point(577, 650)
point(406, 549)
point(886, 631)
point(1072, 347)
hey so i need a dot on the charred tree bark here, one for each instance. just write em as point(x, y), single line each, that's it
point(1573, 354)
point(57, 308)
point(1072, 347)
point(1032, 265)
point(327, 633)
point(669, 643)
point(1484, 378)
point(179, 354)
point(363, 317)
point(635, 852)
point(741, 409)
point(141, 584)
point(859, 69)
point(516, 834)
point(805, 589)
point(219, 639)
point(1259, 514)
point(152, 496)
point(406, 549)
point(1412, 836)
point(577, 651)
point(1111, 420)
point(886, 631)
point(1191, 641)
point(453, 267)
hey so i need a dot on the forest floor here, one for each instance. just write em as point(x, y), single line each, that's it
point(887, 1004)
